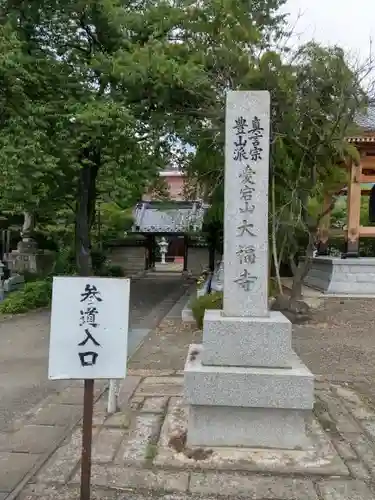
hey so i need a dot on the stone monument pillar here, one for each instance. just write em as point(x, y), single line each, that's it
point(28, 257)
point(245, 386)
point(27, 244)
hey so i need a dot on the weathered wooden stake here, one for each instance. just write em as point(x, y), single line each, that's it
point(88, 409)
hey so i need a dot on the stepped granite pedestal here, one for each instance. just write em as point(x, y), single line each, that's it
point(245, 386)
point(352, 276)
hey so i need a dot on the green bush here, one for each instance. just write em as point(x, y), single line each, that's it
point(200, 304)
point(98, 258)
point(112, 270)
point(29, 276)
point(273, 289)
point(65, 262)
point(33, 295)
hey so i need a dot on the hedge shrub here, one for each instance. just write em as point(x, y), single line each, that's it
point(200, 304)
point(113, 271)
point(33, 295)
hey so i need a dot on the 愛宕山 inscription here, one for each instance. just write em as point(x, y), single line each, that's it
point(246, 204)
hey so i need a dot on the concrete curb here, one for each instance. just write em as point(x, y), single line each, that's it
point(187, 314)
point(157, 319)
point(177, 310)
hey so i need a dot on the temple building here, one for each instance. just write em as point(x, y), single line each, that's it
point(175, 219)
point(350, 274)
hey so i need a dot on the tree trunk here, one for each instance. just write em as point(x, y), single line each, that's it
point(276, 259)
point(300, 272)
point(85, 211)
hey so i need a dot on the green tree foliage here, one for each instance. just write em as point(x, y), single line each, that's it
point(96, 94)
point(315, 95)
point(96, 89)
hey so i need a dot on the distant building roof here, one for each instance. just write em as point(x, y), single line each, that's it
point(367, 120)
point(169, 216)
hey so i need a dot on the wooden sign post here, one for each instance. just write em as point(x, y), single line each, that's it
point(88, 340)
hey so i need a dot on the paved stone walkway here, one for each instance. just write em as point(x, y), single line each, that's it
point(36, 414)
point(140, 450)
point(24, 341)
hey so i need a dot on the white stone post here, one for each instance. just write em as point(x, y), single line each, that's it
point(1, 281)
point(245, 386)
point(113, 391)
point(247, 132)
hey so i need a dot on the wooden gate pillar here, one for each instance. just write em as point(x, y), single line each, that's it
point(324, 226)
point(354, 211)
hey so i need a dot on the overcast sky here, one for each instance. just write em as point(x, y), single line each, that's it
point(349, 23)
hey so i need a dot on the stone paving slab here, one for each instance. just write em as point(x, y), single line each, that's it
point(345, 490)
point(121, 477)
point(35, 435)
point(142, 449)
point(31, 439)
point(71, 492)
point(136, 448)
point(14, 466)
point(57, 414)
point(61, 465)
point(319, 458)
point(155, 405)
point(160, 386)
point(106, 445)
point(128, 386)
point(271, 488)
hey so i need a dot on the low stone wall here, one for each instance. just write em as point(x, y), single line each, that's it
point(198, 259)
point(351, 277)
point(128, 257)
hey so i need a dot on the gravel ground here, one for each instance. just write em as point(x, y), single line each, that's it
point(166, 347)
point(338, 343)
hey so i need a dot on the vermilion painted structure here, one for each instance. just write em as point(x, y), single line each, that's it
point(361, 179)
point(175, 180)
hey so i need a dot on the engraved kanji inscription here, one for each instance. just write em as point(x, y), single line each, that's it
point(246, 193)
point(240, 152)
point(247, 208)
point(246, 280)
point(240, 125)
point(247, 175)
point(245, 228)
point(246, 254)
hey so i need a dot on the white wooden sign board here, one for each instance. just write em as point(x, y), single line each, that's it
point(89, 328)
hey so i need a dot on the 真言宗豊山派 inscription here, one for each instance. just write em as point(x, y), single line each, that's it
point(246, 203)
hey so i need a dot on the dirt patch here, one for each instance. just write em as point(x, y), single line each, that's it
point(178, 443)
point(166, 347)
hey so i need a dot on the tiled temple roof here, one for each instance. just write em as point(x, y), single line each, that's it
point(367, 123)
point(168, 217)
point(367, 120)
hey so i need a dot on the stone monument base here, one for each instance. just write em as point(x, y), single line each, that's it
point(38, 262)
point(351, 276)
point(229, 341)
point(210, 426)
point(245, 406)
